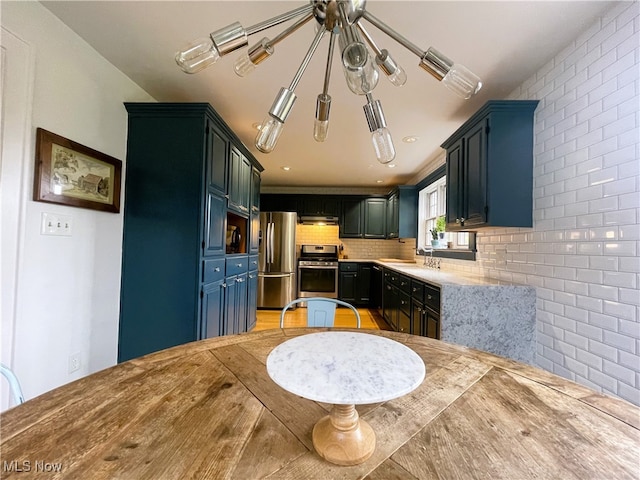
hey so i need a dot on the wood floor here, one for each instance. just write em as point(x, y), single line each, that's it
point(267, 319)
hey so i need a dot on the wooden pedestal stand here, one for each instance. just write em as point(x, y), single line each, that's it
point(343, 438)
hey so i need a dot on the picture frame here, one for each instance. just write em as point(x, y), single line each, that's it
point(68, 173)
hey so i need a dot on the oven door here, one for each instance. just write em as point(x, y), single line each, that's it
point(317, 281)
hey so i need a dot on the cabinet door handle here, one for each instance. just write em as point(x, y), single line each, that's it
point(429, 297)
point(238, 264)
point(239, 280)
point(217, 269)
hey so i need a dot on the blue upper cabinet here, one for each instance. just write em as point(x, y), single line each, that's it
point(402, 212)
point(375, 210)
point(239, 186)
point(217, 154)
point(490, 168)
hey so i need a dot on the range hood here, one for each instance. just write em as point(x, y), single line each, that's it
point(318, 220)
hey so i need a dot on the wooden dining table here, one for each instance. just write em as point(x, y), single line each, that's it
point(209, 410)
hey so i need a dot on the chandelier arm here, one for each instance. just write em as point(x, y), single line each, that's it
point(307, 59)
point(369, 39)
point(393, 34)
point(278, 19)
point(327, 71)
point(285, 33)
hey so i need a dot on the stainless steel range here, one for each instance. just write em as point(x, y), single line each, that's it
point(318, 271)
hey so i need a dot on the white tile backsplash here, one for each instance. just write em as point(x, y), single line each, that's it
point(583, 253)
point(355, 248)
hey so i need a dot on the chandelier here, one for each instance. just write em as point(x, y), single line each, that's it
point(341, 19)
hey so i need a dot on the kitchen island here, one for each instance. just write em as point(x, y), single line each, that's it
point(478, 312)
point(208, 410)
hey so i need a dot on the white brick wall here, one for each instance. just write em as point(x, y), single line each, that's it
point(583, 253)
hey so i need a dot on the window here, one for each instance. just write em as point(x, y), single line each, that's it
point(432, 205)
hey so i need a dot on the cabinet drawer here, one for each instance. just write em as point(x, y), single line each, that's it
point(432, 297)
point(348, 267)
point(253, 262)
point(236, 265)
point(394, 278)
point(404, 302)
point(213, 270)
point(417, 290)
point(404, 284)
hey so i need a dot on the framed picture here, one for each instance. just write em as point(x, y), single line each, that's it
point(71, 174)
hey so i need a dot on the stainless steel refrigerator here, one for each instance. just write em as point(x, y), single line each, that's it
point(277, 259)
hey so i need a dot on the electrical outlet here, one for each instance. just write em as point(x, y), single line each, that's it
point(74, 362)
point(55, 224)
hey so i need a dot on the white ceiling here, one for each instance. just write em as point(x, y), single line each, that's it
point(502, 42)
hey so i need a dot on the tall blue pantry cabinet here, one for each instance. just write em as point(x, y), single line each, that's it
point(188, 180)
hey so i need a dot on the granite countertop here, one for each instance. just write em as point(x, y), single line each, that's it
point(431, 275)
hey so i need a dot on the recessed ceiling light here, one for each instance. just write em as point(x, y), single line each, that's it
point(410, 139)
point(379, 181)
point(285, 168)
point(256, 125)
point(391, 165)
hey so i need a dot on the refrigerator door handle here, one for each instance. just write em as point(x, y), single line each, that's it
point(267, 245)
point(271, 240)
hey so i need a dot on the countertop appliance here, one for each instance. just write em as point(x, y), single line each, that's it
point(277, 259)
point(233, 239)
point(318, 271)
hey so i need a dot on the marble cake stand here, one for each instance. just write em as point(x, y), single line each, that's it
point(345, 369)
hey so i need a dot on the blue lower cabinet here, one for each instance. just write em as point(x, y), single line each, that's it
point(252, 303)
point(230, 306)
point(235, 304)
point(213, 309)
point(240, 321)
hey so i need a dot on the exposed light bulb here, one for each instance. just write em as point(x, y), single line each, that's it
point(198, 55)
point(462, 81)
point(394, 72)
point(244, 66)
point(399, 77)
point(321, 123)
point(320, 130)
point(246, 63)
point(383, 145)
point(458, 78)
point(359, 71)
point(269, 134)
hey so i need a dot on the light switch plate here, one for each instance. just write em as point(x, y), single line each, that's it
point(55, 224)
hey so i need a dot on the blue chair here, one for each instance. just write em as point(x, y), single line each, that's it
point(321, 311)
point(14, 385)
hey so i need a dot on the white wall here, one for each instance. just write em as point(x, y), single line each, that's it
point(583, 253)
point(65, 289)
